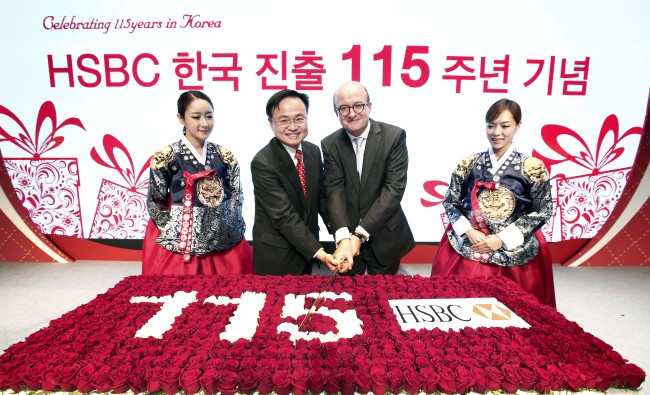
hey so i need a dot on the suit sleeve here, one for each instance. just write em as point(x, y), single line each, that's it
point(392, 191)
point(334, 187)
point(273, 199)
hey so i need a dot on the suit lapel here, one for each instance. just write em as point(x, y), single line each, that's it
point(311, 170)
point(349, 158)
point(288, 167)
point(372, 146)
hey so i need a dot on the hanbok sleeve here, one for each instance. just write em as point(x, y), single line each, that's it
point(456, 193)
point(159, 182)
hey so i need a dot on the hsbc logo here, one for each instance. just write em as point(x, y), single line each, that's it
point(454, 314)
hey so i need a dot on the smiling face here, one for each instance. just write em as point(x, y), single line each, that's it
point(198, 121)
point(501, 131)
point(347, 96)
point(289, 121)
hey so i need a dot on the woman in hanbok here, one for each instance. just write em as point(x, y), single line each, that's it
point(497, 203)
point(195, 201)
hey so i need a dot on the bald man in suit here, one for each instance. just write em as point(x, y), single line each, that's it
point(288, 196)
point(365, 168)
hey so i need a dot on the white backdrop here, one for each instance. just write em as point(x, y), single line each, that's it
point(443, 123)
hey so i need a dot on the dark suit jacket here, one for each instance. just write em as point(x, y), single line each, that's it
point(373, 202)
point(285, 232)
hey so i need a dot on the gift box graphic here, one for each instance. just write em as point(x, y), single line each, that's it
point(585, 200)
point(121, 211)
point(48, 188)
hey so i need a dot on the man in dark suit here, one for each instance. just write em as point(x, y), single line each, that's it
point(364, 191)
point(287, 176)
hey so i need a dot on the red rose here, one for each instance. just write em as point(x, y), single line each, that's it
point(363, 380)
point(216, 363)
point(264, 381)
point(395, 380)
point(208, 381)
point(119, 379)
point(634, 376)
point(230, 364)
point(493, 378)
point(300, 380)
point(607, 372)
point(34, 377)
point(248, 363)
point(101, 380)
point(544, 380)
point(247, 381)
point(190, 380)
point(362, 363)
point(227, 382)
point(431, 380)
point(574, 377)
point(266, 364)
point(379, 379)
point(464, 379)
point(332, 362)
point(169, 379)
point(557, 377)
point(511, 378)
point(318, 380)
point(447, 383)
point(528, 379)
point(479, 380)
point(347, 377)
point(51, 377)
point(68, 377)
point(333, 384)
point(283, 364)
point(195, 362)
point(137, 379)
point(154, 377)
point(413, 381)
point(282, 382)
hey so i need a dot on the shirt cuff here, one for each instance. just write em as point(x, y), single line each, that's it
point(362, 231)
point(319, 250)
point(340, 234)
point(511, 237)
point(461, 226)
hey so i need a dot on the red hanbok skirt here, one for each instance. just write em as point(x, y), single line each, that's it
point(238, 259)
point(535, 277)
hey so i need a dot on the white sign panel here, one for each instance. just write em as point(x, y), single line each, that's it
point(454, 314)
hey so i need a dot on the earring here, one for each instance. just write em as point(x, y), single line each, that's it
point(184, 130)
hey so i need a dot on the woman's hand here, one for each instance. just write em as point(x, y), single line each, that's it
point(489, 244)
point(475, 236)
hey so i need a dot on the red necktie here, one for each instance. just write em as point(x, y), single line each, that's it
point(476, 218)
point(300, 166)
point(185, 242)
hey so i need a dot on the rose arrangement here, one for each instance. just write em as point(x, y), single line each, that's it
point(95, 347)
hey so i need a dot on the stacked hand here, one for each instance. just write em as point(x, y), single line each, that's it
point(483, 244)
point(345, 252)
point(333, 262)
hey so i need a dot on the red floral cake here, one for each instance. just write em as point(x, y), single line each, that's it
point(232, 334)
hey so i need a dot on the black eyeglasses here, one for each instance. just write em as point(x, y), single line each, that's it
point(285, 122)
point(357, 108)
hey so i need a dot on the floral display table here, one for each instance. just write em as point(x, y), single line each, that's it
point(239, 334)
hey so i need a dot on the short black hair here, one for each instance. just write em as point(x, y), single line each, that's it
point(274, 101)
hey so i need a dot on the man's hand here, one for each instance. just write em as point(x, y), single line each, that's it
point(332, 263)
point(344, 252)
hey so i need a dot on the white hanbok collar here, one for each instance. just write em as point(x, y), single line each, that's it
point(200, 158)
point(497, 164)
